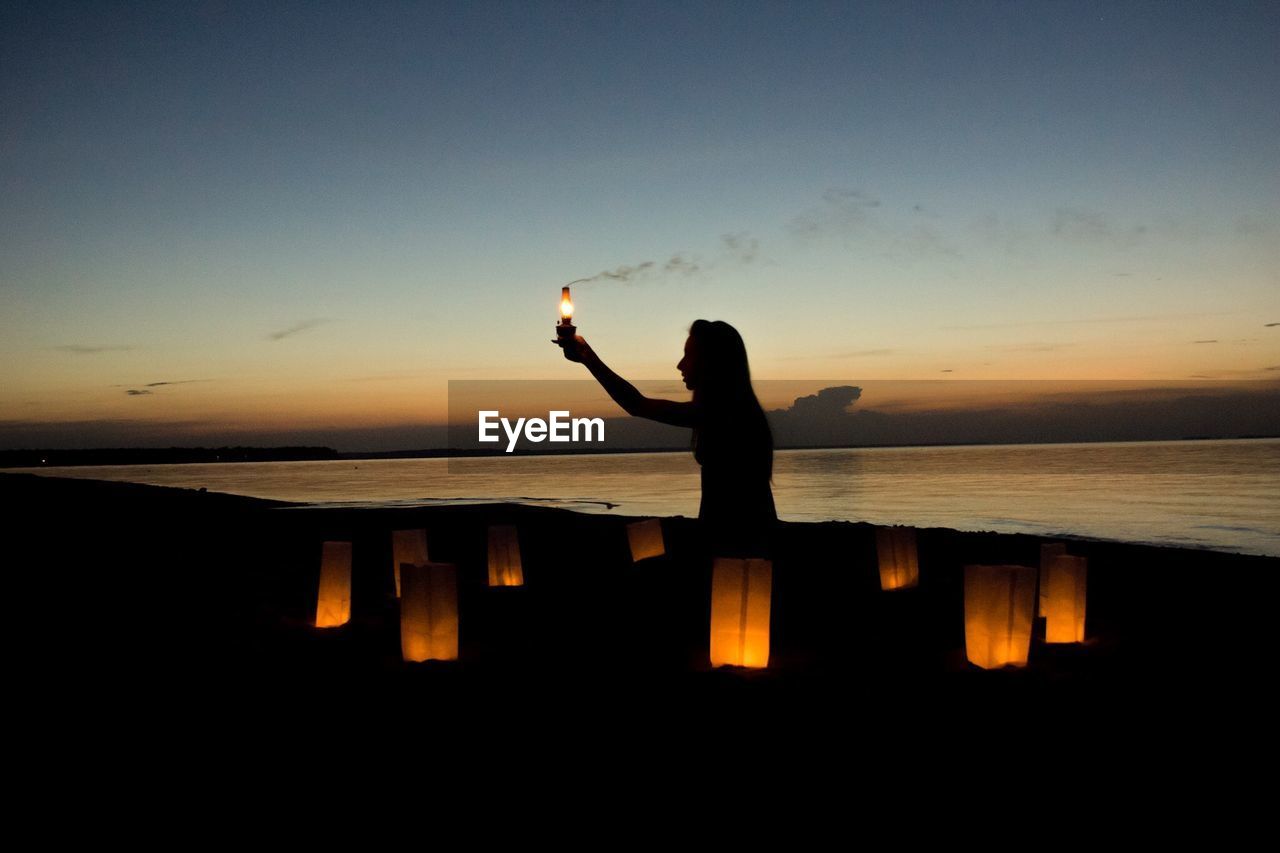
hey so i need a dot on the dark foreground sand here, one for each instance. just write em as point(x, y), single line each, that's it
point(168, 604)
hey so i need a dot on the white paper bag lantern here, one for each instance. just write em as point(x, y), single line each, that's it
point(899, 564)
point(333, 601)
point(646, 539)
point(741, 592)
point(1062, 598)
point(429, 611)
point(1048, 550)
point(999, 607)
point(407, 546)
point(505, 568)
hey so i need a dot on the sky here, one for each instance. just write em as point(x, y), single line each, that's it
point(226, 222)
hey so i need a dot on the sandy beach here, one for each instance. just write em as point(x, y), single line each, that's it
point(146, 588)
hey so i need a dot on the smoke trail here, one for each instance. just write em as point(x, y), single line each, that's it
point(736, 249)
point(628, 274)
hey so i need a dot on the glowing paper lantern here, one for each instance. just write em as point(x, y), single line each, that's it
point(899, 565)
point(407, 546)
point(741, 590)
point(1048, 550)
point(1062, 596)
point(505, 568)
point(999, 607)
point(333, 603)
point(429, 611)
point(646, 539)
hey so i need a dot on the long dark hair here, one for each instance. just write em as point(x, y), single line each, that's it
point(732, 423)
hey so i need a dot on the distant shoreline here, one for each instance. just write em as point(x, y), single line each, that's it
point(108, 457)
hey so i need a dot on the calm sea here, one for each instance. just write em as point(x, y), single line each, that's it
point(1223, 495)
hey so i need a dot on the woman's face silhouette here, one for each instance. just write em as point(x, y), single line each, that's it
point(688, 365)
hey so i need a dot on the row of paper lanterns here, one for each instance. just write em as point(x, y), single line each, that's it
point(1000, 602)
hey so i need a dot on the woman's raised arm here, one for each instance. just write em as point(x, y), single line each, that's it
point(624, 393)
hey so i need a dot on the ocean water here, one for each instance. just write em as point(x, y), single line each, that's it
point(1221, 495)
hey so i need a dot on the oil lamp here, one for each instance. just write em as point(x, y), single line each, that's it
point(566, 330)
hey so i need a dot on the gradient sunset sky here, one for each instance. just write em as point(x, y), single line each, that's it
point(224, 221)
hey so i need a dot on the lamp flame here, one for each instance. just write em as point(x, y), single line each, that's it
point(566, 305)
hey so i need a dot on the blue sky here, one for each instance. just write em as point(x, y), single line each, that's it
point(319, 213)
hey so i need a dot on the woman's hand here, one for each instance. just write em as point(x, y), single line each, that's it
point(575, 348)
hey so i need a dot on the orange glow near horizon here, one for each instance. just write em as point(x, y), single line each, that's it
point(200, 413)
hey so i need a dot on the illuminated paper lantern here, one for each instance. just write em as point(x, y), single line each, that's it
point(333, 603)
point(505, 568)
point(741, 590)
point(1062, 596)
point(646, 539)
point(899, 565)
point(1048, 550)
point(429, 611)
point(407, 546)
point(999, 607)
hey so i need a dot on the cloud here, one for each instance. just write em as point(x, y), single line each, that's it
point(140, 432)
point(680, 264)
point(1255, 374)
point(836, 399)
point(1011, 235)
point(1089, 226)
point(1270, 325)
point(923, 240)
point(298, 327)
point(1205, 342)
point(1072, 224)
point(134, 392)
point(740, 246)
point(82, 349)
point(820, 418)
point(1093, 415)
point(848, 212)
point(841, 211)
point(863, 353)
point(167, 382)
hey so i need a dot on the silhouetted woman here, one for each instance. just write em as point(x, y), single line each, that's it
point(731, 438)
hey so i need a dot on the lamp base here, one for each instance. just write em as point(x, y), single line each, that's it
point(566, 331)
